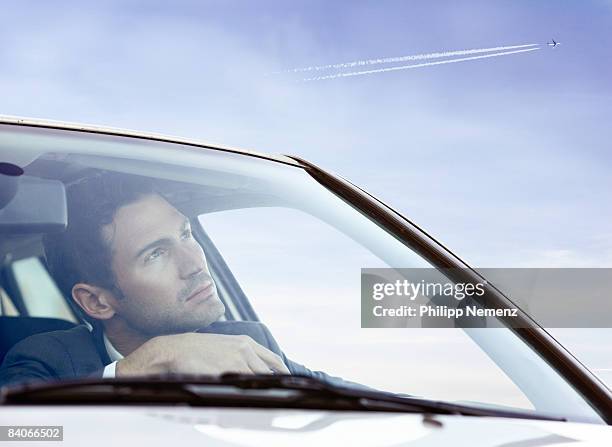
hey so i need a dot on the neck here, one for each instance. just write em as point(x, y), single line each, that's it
point(123, 337)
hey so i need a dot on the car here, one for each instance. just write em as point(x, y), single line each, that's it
point(284, 244)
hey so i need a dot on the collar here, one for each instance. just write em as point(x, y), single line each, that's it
point(110, 349)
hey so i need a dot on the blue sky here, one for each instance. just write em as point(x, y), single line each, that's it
point(505, 160)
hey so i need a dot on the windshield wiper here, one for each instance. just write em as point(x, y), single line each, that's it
point(241, 390)
point(370, 399)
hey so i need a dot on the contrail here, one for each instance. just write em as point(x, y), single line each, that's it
point(405, 67)
point(414, 57)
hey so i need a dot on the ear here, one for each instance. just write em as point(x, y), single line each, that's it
point(97, 302)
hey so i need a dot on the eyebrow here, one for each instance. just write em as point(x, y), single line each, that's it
point(161, 241)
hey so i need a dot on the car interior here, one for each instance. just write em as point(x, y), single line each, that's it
point(31, 302)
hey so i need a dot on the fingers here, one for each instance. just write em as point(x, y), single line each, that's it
point(217, 354)
point(243, 368)
point(273, 361)
point(257, 365)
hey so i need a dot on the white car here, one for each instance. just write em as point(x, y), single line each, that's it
point(285, 242)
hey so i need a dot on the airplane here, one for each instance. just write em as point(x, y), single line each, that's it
point(553, 43)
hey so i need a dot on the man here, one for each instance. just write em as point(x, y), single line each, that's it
point(130, 262)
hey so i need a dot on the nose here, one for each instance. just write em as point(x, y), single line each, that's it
point(192, 261)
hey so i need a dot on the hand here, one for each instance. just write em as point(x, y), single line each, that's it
point(195, 353)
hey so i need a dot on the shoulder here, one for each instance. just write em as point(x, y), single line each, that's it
point(62, 353)
point(254, 329)
point(235, 328)
point(55, 339)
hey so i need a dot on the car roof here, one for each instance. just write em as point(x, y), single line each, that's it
point(104, 130)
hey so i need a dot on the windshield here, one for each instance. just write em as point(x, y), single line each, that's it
point(183, 260)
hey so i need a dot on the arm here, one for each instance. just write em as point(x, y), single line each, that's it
point(197, 353)
point(297, 368)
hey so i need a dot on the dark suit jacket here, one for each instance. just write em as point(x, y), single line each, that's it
point(79, 352)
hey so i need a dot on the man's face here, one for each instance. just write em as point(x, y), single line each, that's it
point(160, 269)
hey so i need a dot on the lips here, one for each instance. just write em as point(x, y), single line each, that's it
point(204, 292)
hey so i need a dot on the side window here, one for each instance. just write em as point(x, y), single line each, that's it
point(302, 277)
point(7, 308)
point(41, 296)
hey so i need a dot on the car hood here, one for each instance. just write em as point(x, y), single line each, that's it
point(161, 426)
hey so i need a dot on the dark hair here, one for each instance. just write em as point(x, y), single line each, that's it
point(81, 254)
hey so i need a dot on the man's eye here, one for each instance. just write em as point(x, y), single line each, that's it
point(155, 254)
